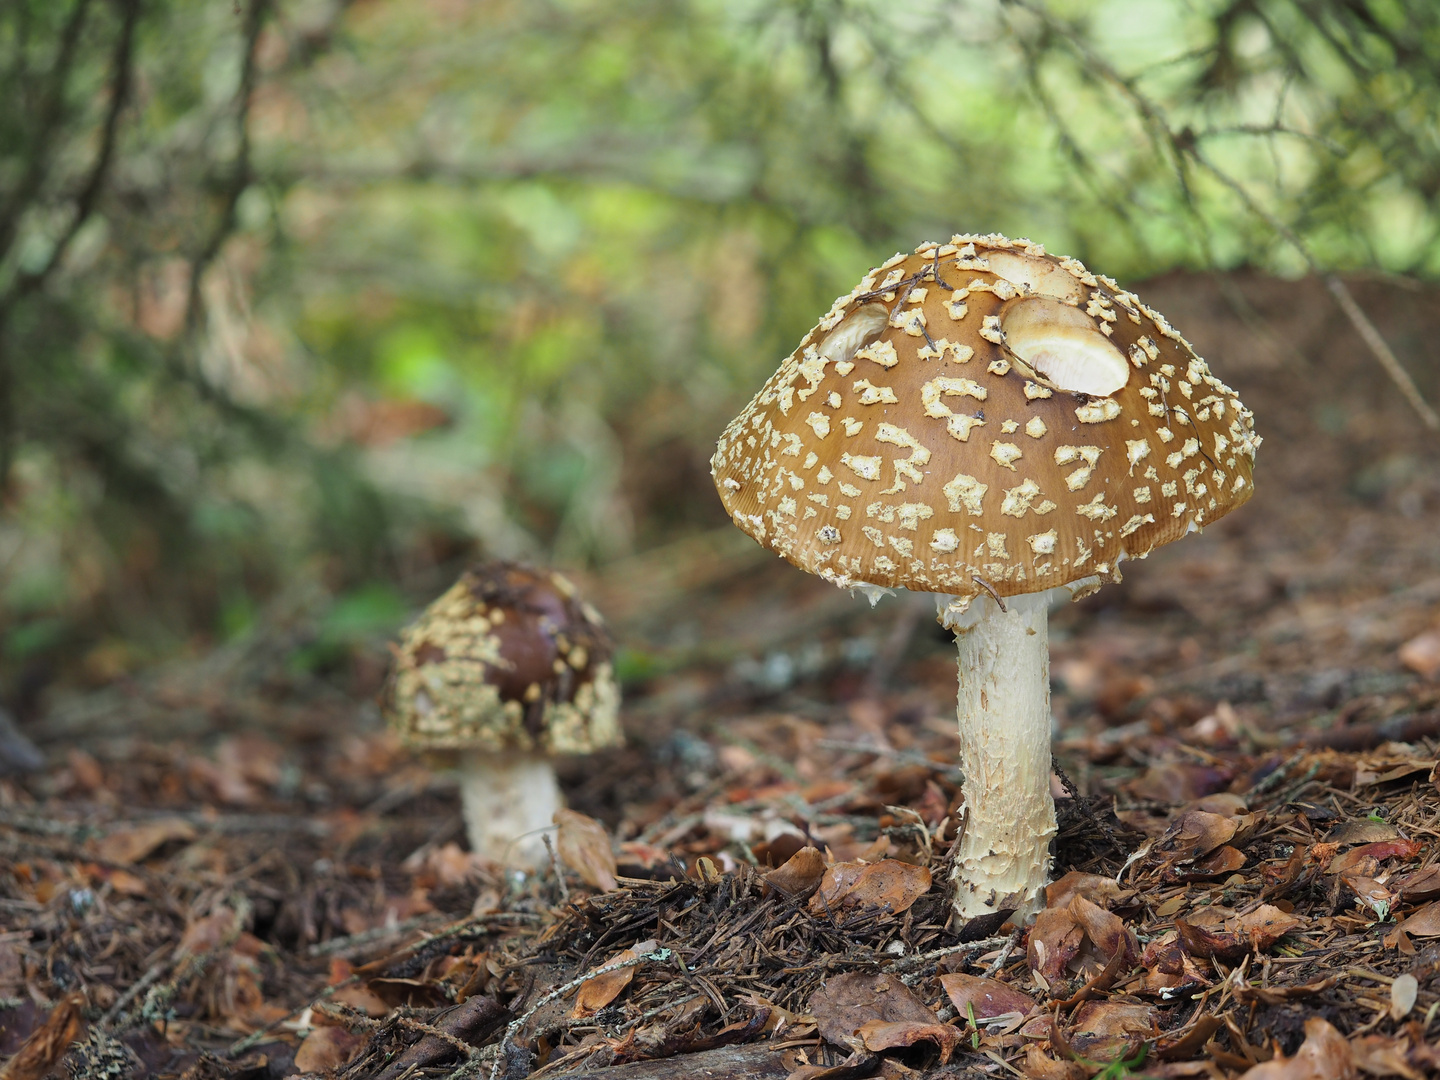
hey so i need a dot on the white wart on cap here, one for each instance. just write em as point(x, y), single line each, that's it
point(981, 411)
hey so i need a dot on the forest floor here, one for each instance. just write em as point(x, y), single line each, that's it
point(226, 871)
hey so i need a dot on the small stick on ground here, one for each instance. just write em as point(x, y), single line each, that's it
point(1004, 957)
point(559, 870)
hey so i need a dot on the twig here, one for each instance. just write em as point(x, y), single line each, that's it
point(1183, 146)
point(906, 963)
point(659, 956)
point(138, 986)
point(1381, 350)
point(559, 870)
point(366, 938)
point(990, 589)
point(1004, 957)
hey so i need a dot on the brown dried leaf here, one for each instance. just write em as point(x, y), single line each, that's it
point(1178, 1045)
point(40, 1053)
point(1179, 782)
point(844, 1003)
point(1055, 940)
point(594, 994)
point(1099, 890)
point(800, 875)
point(1104, 1018)
point(1375, 895)
point(327, 1048)
point(1324, 1055)
point(1361, 831)
point(1384, 1055)
point(880, 1035)
point(1425, 922)
point(1110, 1030)
point(984, 998)
point(584, 846)
point(1041, 1066)
point(1223, 860)
point(1194, 834)
point(1421, 654)
point(1421, 885)
point(1218, 933)
point(130, 845)
point(1381, 849)
point(207, 934)
point(886, 884)
point(1104, 929)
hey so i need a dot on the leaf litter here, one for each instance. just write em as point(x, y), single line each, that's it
point(1247, 875)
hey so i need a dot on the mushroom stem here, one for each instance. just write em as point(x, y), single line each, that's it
point(508, 800)
point(1004, 716)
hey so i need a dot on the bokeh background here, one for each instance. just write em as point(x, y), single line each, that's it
point(303, 303)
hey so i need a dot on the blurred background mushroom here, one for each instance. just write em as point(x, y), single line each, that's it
point(505, 671)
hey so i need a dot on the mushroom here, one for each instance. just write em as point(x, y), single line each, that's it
point(987, 422)
point(505, 670)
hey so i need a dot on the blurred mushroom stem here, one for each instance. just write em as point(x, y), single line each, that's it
point(1004, 716)
point(508, 800)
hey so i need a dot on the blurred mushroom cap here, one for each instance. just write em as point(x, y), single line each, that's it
point(508, 658)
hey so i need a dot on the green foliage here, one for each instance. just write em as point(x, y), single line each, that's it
point(294, 291)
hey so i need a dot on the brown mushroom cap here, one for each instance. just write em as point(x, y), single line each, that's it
point(981, 411)
point(508, 658)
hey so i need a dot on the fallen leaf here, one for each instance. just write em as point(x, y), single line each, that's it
point(207, 934)
point(1361, 831)
point(1192, 835)
point(1104, 929)
point(584, 846)
point(886, 884)
point(1178, 1045)
point(880, 1035)
point(1375, 895)
point(1381, 849)
point(1425, 922)
point(984, 998)
point(1403, 992)
point(594, 994)
point(1055, 940)
point(845, 1003)
point(1385, 1055)
point(1223, 860)
point(447, 866)
point(130, 845)
point(1421, 654)
point(1097, 889)
point(1217, 933)
point(1179, 782)
point(800, 874)
point(1421, 885)
point(1113, 1018)
point(1109, 1030)
point(1041, 1066)
point(327, 1048)
point(1324, 1055)
point(41, 1052)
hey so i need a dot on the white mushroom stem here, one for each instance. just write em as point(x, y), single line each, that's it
point(1004, 715)
point(509, 800)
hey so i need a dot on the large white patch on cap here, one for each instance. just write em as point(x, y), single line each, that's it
point(1064, 345)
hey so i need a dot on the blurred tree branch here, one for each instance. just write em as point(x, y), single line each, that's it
point(1180, 145)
